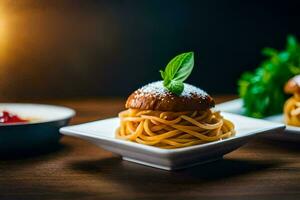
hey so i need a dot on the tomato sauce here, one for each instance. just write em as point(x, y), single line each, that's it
point(9, 118)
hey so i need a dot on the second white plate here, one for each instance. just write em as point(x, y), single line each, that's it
point(291, 133)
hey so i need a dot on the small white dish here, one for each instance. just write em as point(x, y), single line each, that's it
point(102, 133)
point(291, 133)
point(40, 132)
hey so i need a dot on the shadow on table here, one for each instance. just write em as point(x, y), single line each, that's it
point(46, 150)
point(138, 176)
point(224, 168)
point(286, 146)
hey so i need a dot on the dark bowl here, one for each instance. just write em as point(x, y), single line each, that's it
point(41, 133)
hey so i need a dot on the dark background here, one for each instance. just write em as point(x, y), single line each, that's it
point(51, 49)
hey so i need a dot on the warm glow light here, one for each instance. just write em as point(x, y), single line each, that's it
point(3, 48)
point(2, 37)
point(1, 30)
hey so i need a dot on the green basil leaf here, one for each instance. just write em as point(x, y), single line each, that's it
point(162, 74)
point(180, 67)
point(175, 87)
point(177, 71)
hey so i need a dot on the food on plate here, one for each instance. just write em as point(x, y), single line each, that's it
point(261, 90)
point(292, 105)
point(10, 118)
point(172, 114)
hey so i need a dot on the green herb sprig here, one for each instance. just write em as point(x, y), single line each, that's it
point(177, 71)
point(262, 90)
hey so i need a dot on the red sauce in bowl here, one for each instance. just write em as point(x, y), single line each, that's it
point(9, 118)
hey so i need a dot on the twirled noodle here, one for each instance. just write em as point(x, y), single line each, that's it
point(292, 111)
point(173, 129)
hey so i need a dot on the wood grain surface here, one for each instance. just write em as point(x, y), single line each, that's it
point(76, 169)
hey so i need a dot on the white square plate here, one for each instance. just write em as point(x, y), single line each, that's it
point(102, 133)
point(291, 133)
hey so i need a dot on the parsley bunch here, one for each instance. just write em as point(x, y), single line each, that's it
point(262, 90)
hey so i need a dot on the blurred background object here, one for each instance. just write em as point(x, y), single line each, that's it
point(72, 48)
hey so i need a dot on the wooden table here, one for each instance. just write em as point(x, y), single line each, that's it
point(79, 170)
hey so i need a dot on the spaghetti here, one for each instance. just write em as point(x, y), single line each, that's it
point(173, 129)
point(292, 110)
